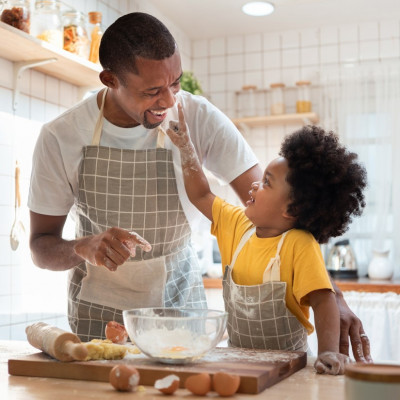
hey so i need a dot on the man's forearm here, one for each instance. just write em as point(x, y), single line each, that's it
point(54, 253)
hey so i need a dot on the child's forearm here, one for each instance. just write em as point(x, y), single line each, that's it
point(326, 319)
point(196, 184)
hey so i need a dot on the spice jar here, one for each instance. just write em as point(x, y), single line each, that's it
point(46, 22)
point(75, 37)
point(277, 103)
point(95, 36)
point(303, 104)
point(248, 101)
point(16, 13)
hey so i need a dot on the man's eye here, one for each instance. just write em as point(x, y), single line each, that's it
point(152, 94)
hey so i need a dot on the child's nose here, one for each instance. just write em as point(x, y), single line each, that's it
point(254, 185)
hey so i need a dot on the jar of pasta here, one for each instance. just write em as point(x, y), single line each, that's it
point(75, 36)
point(16, 13)
point(277, 102)
point(303, 104)
point(46, 22)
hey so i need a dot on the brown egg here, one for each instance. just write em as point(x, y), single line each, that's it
point(225, 384)
point(167, 385)
point(124, 378)
point(116, 332)
point(199, 384)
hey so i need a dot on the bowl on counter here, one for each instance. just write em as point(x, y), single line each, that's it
point(175, 335)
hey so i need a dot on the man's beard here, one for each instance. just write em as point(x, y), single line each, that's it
point(148, 125)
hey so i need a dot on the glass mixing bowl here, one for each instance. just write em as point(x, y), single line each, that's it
point(175, 335)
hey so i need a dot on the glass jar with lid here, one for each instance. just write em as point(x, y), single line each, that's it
point(303, 103)
point(46, 22)
point(95, 36)
point(16, 13)
point(75, 36)
point(277, 102)
point(247, 103)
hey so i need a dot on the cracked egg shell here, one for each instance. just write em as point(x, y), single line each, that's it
point(116, 332)
point(124, 378)
point(167, 385)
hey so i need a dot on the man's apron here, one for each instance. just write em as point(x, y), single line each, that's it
point(257, 315)
point(135, 190)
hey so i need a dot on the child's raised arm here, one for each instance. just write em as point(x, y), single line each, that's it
point(196, 184)
point(327, 325)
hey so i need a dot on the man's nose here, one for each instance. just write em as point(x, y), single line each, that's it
point(167, 99)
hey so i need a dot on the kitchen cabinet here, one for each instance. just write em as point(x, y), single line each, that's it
point(20, 47)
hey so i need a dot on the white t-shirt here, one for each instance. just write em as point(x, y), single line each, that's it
point(58, 152)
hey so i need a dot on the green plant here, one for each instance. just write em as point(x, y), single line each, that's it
point(190, 83)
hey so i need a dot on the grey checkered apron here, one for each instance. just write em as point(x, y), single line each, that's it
point(135, 190)
point(257, 315)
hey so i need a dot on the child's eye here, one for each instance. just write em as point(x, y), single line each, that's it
point(266, 181)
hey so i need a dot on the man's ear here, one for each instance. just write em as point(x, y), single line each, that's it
point(109, 79)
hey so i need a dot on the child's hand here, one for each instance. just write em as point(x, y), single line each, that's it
point(177, 131)
point(331, 363)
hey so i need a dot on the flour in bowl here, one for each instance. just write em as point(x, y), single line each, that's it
point(176, 343)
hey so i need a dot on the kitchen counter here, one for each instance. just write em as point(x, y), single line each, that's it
point(303, 385)
point(359, 285)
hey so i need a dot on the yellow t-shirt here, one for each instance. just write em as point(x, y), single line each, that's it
point(302, 265)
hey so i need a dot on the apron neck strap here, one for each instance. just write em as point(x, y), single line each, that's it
point(246, 236)
point(99, 127)
point(99, 123)
point(273, 270)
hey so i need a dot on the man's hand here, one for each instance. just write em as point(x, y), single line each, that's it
point(331, 363)
point(351, 326)
point(110, 248)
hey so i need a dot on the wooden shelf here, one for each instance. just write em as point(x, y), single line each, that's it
point(284, 119)
point(18, 46)
point(358, 285)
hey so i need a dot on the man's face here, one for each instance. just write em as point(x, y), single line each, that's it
point(145, 98)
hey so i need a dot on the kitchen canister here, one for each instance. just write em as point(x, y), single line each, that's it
point(76, 40)
point(380, 266)
point(372, 381)
point(46, 22)
point(16, 13)
point(247, 104)
point(303, 103)
point(95, 36)
point(277, 102)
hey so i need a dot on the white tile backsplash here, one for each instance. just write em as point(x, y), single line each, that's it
point(309, 37)
point(369, 31)
point(329, 54)
point(290, 58)
point(253, 43)
point(329, 35)
point(389, 29)
point(235, 63)
point(348, 33)
point(272, 59)
point(349, 52)
point(253, 61)
point(217, 47)
point(217, 65)
point(369, 50)
point(200, 48)
point(235, 45)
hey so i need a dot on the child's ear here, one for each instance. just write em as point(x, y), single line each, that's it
point(286, 215)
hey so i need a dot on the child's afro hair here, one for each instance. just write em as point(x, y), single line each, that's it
point(327, 182)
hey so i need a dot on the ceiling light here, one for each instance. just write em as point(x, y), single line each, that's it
point(258, 8)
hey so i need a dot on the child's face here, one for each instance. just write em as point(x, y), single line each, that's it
point(270, 198)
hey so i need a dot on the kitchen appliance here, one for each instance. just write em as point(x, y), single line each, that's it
point(342, 263)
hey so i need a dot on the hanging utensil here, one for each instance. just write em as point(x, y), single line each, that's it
point(17, 229)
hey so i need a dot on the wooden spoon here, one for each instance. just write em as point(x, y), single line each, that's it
point(18, 228)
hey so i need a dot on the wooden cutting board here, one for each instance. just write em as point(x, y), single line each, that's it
point(258, 369)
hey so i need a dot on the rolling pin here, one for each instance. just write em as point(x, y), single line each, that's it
point(62, 345)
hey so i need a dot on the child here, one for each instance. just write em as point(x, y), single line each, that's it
point(274, 266)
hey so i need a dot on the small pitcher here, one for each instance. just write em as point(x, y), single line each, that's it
point(380, 266)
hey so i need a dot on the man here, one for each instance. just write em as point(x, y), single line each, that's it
point(108, 158)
